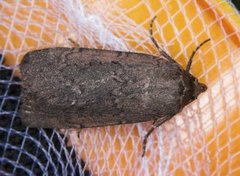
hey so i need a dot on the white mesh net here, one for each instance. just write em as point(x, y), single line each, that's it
point(204, 139)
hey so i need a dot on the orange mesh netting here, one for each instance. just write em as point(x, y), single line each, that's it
point(204, 139)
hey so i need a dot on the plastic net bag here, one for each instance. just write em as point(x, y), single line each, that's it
point(204, 139)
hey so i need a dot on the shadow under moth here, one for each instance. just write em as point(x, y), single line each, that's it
point(84, 88)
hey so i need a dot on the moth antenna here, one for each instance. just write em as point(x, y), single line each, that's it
point(161, 51)
point(155, 124)
point(188, 67)
point(151, 34)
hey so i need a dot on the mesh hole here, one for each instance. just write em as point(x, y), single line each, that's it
point(14, 90)
point(5, 73)
point(9, 104)
point(5, 120)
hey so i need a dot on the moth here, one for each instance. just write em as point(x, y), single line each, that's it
point(84, 88)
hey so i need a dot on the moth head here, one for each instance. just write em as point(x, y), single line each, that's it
point(198, 88)
point(191, 88)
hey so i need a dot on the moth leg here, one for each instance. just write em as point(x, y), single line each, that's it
point(75, 127)
point(155, 124)
point(78, 131)
point(160, 50)
point(75, 44)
